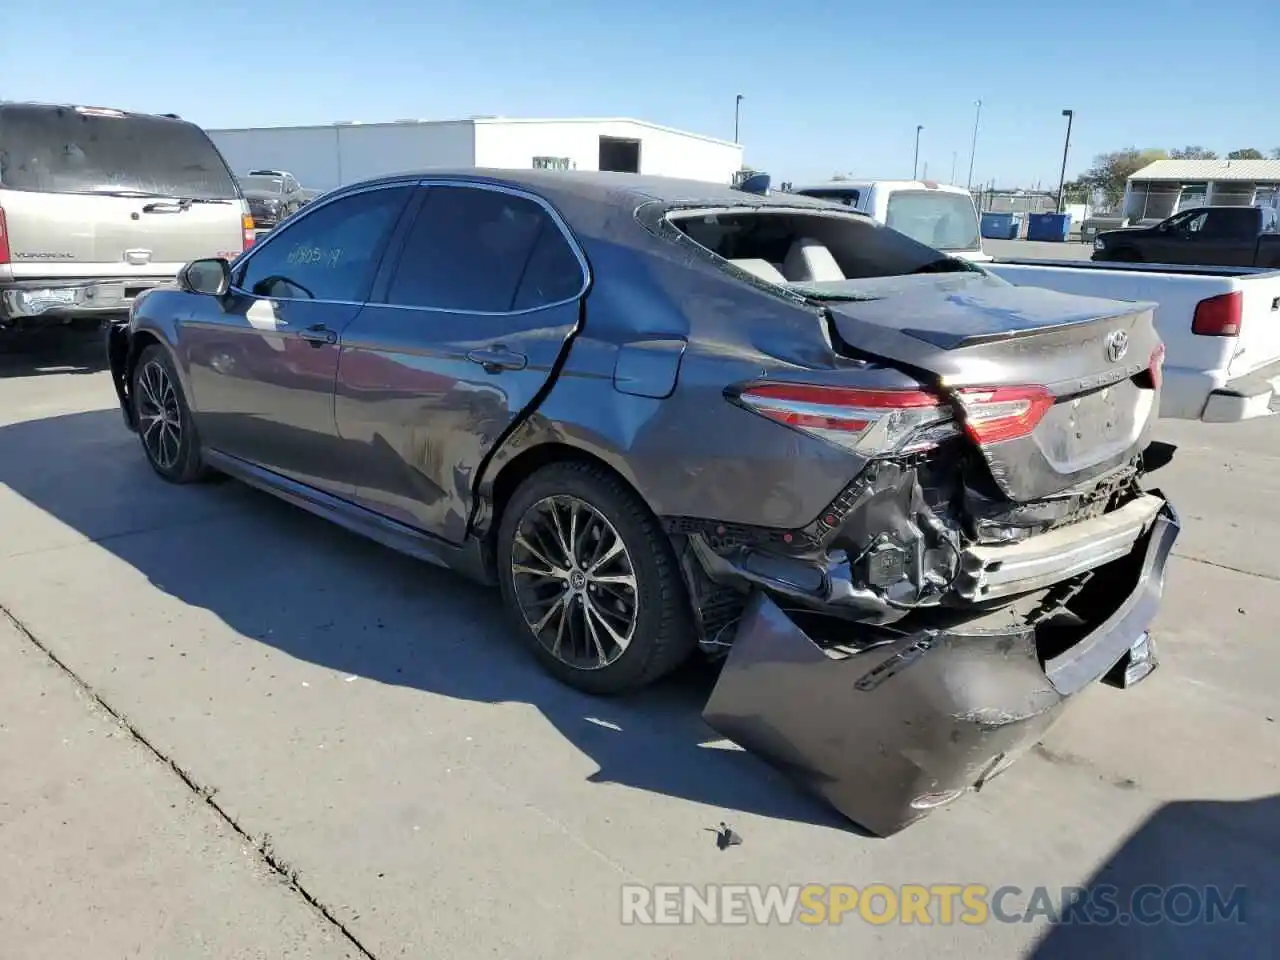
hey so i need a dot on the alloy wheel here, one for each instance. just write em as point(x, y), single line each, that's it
point(159, 416)
point(574, 582)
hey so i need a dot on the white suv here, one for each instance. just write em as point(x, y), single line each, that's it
point(97, 205)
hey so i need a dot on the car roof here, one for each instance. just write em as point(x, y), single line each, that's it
point(608, 187)
point(40, 105)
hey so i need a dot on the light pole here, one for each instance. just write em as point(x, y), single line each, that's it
point(737, 106)
point(915, 163)
point(974, 148)
point(1062, 180)
point(952, 181)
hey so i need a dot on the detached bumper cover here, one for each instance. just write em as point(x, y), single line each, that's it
point(888, 733)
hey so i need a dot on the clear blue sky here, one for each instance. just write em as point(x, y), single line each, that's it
point(828, 86)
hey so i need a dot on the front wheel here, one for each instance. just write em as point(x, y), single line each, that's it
point(165, 425)
point(591, 580)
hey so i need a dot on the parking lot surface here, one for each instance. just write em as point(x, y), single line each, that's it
point(272, 738)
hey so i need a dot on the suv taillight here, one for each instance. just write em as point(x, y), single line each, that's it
point(4, 238)
point(1219, 316)
point(246, 225)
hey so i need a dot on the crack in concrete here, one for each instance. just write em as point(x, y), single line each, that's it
point(263, 847)
point(1227, 566)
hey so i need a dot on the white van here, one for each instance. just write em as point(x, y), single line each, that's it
point(937, 215)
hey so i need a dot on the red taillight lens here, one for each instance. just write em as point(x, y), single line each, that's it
point(1155, 367)
point(870, 422)
point(1219, 316)
point(994, 414)
point(4, 239)
point(246, 224)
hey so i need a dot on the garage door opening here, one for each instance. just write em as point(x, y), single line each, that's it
point(620, 154)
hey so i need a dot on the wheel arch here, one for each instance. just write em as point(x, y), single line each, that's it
point(497, 492)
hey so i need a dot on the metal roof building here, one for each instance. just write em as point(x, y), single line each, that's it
point(1162, 188)
point(330, 155)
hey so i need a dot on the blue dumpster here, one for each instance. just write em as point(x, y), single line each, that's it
point(999, 226)
point(1051, 227)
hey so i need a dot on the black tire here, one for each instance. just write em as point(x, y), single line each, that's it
point(662, 635)
point(176, 462)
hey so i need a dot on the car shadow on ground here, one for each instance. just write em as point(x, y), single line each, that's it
point(44, 352)
point(1183, 857)
point(276, 574)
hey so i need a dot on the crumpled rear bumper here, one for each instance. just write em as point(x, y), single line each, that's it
point(891, 732)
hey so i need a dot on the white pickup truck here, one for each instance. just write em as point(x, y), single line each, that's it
point(1220, 326)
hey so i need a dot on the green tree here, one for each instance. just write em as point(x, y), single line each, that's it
point(1109, 172)
point(1275, 153)
point(1192, 153)
point(1248, 153)
point(1077, 191)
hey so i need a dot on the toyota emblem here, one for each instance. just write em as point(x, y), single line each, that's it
point(1117, 344)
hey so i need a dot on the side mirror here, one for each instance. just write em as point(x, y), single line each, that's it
point(210, 277)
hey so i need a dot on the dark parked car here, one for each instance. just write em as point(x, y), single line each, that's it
point(1208, 236)
point(273, 195)
point(903, 495)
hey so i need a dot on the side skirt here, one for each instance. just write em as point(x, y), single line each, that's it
point(468, 559)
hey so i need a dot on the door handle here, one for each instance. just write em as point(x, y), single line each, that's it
point(498, 359)
point(318, 335)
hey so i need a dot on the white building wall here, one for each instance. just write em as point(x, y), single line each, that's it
point(513, 144)
point(324, 157)
point(309, 153)
point(330, 156)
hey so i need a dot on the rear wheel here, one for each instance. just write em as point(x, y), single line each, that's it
point(165, 426)
point(591, 580)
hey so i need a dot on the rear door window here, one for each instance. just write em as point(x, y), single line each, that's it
point(477, 250)
point(1227, 224)
point(67, 150)
point(331, 254)
point(936, 218)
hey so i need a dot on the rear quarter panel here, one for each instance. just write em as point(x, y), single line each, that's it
point(1194, 365)
point(692, 453)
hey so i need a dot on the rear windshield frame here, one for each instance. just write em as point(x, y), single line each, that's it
point(121, 146)
point(914, 256)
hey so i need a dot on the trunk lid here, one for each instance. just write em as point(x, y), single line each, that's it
point(970, 331)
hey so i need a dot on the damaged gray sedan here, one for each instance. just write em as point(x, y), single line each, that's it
point(904, 499)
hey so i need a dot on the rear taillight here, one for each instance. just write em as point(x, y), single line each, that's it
point(246, 225)
point(870, 422)
point(1219, 316)
point(994, 414)
point(4, 238)
point(1155, 366)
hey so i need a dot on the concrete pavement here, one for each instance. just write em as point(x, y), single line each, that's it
point(436, 795)
point(107, 853)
